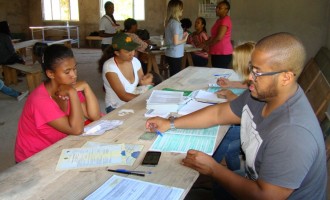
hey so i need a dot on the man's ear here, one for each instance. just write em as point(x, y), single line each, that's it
point(288, 77)
point(50, 74)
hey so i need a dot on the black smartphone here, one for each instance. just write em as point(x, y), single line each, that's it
point(151, 158)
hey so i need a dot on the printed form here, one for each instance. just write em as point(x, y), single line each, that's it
point(181, 140)
point(98, 155)
point(122, 188)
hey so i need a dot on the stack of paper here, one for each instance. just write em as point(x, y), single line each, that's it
point(192, 106)
point(165, 100)
point(209, 97)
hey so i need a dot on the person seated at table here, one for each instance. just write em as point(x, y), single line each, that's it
point(57, 107)
point(230, 146)
point(130, 28)
point(241, 58)
point(197, 39)
point(280, 135)
point(8, 54)
point(121, 71)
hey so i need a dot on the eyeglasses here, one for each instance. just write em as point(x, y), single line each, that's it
point(257, 74)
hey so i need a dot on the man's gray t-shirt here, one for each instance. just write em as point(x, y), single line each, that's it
point(285, 148)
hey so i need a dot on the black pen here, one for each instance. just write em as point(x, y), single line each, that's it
point(125, 172)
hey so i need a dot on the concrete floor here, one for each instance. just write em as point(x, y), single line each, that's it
point(10, 110)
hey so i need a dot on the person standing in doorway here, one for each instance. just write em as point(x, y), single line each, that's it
point(108, 25)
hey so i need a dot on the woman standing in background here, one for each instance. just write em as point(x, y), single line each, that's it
point(175, 38)
point(220, 45)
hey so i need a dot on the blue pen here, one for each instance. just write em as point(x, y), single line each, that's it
point(159, 133)
point(222, 75)
point(126, 172)
point(140, 172)
point(151, 126)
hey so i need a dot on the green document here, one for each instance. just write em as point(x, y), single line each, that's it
point(181, 140)
point(185, 92)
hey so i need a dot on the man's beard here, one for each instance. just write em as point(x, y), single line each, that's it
point(266, 93)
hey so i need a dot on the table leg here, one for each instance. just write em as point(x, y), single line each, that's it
point(149, 65)
point(189, 58)
point(184, 61)
point(155, 65)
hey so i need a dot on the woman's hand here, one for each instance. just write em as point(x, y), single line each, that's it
point(223, 82)
point(81, 85)
point(64, 91)
point(226, 94)
point(147, 79)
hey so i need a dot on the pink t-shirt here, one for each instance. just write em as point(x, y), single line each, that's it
point(34, 134)
point(198, 40)
point(223, 47)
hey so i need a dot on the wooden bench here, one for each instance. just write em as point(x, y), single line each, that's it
point(314, 80)
point(20, 47)
point(89, 39)
point(33, 74)
point(66, 42)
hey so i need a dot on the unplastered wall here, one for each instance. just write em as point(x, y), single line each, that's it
point(16, 13)
point(309, 20)
point(252, 20)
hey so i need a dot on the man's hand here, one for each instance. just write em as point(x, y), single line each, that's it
point(158, 123)
point(200, 161)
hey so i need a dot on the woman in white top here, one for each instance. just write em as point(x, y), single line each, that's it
point(122, 73)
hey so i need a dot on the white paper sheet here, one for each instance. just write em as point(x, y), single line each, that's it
point(122, 188)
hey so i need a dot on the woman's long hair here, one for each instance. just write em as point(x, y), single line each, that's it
point(107, 54)
point(241, 58)
point(174, 8)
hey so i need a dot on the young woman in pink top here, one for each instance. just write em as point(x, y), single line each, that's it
point(220, 45)
point(197, 39)
point(57, 107)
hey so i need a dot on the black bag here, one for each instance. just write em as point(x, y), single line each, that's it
point(39, 49)
point(15, 58)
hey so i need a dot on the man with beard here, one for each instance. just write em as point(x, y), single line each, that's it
point(280, 135)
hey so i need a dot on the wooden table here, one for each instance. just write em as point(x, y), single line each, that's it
point(36, 177)
point(67, 29)
point(153, 65)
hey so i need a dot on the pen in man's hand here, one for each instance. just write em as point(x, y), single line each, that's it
point(126, 172)
point(151, 126)
point(159, 133)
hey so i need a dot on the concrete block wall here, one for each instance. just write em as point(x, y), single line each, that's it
point(252, 20)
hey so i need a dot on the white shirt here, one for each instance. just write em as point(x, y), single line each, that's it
point(111, 98)
point(108, 26)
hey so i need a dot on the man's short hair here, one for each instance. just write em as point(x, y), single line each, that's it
point(286, 51)
point(108, 3)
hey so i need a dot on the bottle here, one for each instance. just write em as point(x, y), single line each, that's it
point(67, 23)
point(161, 39)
